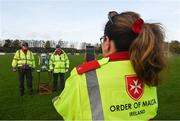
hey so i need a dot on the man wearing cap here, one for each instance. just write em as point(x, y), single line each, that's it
point(24, 63)
point(59, 65)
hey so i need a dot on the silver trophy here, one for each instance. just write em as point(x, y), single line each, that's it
point(43, 61)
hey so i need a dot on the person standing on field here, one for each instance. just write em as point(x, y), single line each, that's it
point(24, 63)
point(59, 65)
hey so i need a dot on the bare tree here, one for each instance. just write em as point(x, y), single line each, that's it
point(61, 43)
point(97, 45)
point(41, 43)
point(72, 44)
point(66, 44)
point(16, 44)
point(97, 48)
point(47, 45)
point(83, 45)
point(30, 43)
point(72, 47)
point(8, 43)
point(0, 43)
point(52, 43)
point(36, 43)
point(76, 44)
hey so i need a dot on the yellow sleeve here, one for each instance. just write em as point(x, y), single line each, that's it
point(68, 103)
point(67, 61)
point(15, 59)
point(34, 64)
point(51, 62)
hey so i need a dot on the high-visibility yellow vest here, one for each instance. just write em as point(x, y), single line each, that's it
point(59, 63)
point(21, 59)
point(111, 92)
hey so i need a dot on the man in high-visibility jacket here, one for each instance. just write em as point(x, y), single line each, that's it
point(122, 85)
point(24, 63)
point(59, 65)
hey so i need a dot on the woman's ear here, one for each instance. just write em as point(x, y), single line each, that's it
point(107, 44)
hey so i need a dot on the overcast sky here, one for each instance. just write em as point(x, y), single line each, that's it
point(79, 20)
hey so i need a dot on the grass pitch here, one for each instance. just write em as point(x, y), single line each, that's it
point(12, 106)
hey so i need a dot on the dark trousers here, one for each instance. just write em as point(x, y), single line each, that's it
point(55, 81)
point(22, 74)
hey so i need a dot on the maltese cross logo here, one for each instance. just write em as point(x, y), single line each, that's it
point(134, 87)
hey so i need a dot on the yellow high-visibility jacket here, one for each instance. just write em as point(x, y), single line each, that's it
point(107, 89)
point(59, 63)
point(21, 59)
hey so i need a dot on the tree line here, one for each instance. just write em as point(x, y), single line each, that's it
point(40, 46)
point(174, 47)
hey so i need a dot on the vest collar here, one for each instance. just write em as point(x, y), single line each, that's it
point(24, 50)
point(117, 56)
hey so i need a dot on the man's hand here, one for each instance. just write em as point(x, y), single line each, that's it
point(14, 69)
point(67, 69)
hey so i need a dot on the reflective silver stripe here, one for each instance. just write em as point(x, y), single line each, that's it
point(60, 68)
point(94, 96)
point(16, 59)
point(25, 59)
point(59, 61)
point(54, 99)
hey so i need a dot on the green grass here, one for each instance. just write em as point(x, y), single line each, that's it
point(12, 106)
point(169, 91)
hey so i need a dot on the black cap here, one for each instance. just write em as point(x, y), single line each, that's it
point(25, 44)
point(58, 46)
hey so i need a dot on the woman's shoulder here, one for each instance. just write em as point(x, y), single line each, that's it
point(91, 65)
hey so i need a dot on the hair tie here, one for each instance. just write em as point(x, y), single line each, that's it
point(137, 26)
